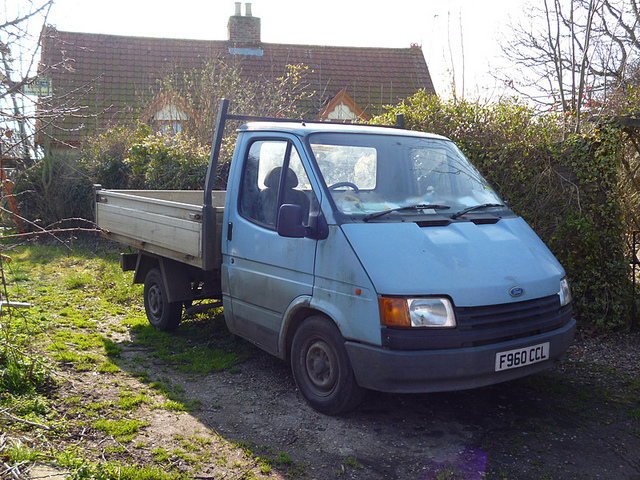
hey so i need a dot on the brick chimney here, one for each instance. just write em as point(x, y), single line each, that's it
point(245, 30)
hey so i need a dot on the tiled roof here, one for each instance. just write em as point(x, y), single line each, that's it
point(121, 71)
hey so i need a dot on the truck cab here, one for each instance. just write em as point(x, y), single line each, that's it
point(379, 258)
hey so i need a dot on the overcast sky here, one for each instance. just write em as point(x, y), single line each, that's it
point(435, 25)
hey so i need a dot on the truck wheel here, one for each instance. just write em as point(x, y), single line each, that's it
point(321, 367)
point(162, 315)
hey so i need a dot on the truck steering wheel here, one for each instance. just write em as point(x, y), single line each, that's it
point(345, 184)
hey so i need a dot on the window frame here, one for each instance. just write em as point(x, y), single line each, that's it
point(290, 148)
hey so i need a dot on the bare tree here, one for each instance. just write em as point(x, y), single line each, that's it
point(574, 55)
point(21, 25)
point(201, 90)
point(620, 23)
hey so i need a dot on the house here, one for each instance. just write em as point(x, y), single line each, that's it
point(106, 79)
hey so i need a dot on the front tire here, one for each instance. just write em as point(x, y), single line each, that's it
point(321, 367)
point(162, 315)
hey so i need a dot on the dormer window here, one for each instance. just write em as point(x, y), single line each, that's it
point(168, 115)
point(342, 109)
point(169, 120)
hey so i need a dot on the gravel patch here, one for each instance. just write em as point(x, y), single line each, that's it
point(618, 351)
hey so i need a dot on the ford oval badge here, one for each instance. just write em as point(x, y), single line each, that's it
point(516, 291)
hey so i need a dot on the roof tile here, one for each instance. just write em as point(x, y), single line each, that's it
point(128, 66)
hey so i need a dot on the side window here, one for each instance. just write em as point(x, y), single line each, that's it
point(273, 175)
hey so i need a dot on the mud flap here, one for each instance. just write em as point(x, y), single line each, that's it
point(174, 275)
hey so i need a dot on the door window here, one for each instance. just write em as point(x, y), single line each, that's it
point(273, 176)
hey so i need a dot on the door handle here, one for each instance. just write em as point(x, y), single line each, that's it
point(230, 231)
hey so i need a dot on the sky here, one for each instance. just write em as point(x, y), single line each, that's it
point(455, 35)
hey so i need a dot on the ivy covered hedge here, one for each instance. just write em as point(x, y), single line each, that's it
point(566, 187)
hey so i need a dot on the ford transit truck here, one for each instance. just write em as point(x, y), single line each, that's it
point(367, 257)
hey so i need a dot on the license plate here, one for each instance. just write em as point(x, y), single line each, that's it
point(521, 357)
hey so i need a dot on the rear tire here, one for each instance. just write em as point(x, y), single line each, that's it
point(321, 367)
point(162, 315)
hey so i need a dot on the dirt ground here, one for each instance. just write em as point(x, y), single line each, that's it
point(580, 420)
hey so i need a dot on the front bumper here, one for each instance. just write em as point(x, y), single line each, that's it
point(397, 371)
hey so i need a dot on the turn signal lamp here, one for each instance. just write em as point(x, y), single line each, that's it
point(417, 312)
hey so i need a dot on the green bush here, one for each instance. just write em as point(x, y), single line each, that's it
point(591, 241)
point(168, 163)
point(133, 158)
point(104, 156)
point(54, 189)
point(567, 187)
point(60, 187)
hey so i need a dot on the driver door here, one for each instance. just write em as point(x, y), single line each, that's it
point(267, 272)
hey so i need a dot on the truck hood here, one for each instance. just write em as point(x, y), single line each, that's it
point(472, 264)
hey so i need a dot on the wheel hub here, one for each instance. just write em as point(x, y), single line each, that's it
point(319, 365)
point(155, 300)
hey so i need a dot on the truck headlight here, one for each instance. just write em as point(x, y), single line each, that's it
point(565, 292)
point(417, 312)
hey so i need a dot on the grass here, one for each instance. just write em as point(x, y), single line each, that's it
point(20, 453)
point(449, 473)
point(85, 315)
point(349, 463)
point(123, 430)
point(352, 462)
point(120, 471)
point(131, 401)
point(188, 356)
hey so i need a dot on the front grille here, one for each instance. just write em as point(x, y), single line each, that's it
point(486, 325)
point(497, 323)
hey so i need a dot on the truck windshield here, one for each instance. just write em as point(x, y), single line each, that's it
point(370, 174)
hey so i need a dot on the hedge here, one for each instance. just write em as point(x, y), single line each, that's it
point(566, 187)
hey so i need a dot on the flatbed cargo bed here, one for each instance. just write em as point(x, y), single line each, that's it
point(167, 223)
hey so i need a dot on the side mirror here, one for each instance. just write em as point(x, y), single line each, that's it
point(290, 221)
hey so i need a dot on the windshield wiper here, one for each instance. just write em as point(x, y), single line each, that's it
point(475, 207)
point(420, 206)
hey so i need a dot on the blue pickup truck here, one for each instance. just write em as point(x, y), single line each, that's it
point(368, 257)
